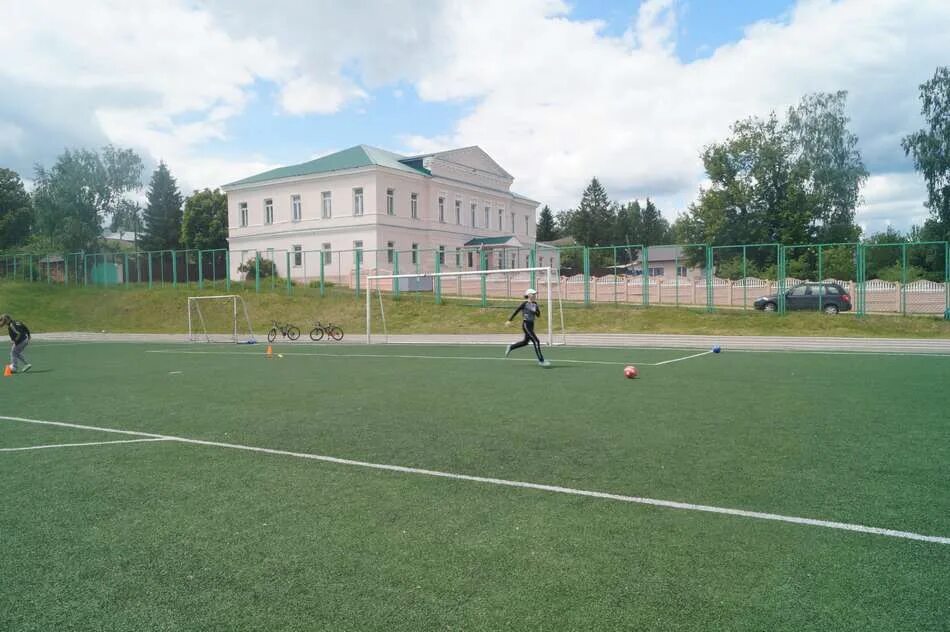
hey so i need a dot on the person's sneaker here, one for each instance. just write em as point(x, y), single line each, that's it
point(26, 368)
point(544, 363)
point(507, 351)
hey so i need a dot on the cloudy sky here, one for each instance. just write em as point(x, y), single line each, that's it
point(628, 91)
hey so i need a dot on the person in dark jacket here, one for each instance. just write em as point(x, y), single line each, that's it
point(530, 310)
point(20, 335)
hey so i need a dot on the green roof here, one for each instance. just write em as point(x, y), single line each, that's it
point(491, 241)
point(352, 158)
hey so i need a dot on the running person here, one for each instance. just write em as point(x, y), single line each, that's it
point(530, 310)
point(20, 335)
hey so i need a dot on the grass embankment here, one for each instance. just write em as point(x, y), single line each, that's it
point(163, 310)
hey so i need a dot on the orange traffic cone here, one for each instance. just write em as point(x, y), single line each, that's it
point(270, 352)
point(7, 370)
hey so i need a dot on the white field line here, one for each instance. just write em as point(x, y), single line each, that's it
point(689, 357)
point(419, 357)
point(670, 504)
point(76, 445)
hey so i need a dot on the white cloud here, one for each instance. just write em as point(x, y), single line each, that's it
point(573, 103)
point(554, 99)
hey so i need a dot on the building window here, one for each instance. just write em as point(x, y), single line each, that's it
point(527, 261)
point(512, 223)
point(501, 218)
point(488, 217)
point(526, 224)
point(268, 211)
point(327, 205)
point(414, 206)
point(390, 249)
point(656, 272)
point(390, 202)
point(681, 271)
point(442, 209)
point(458, 211)
point(242, 211)
point(327, 254)
point(295, 207)
point(358, 201)
point(458, 257)
point(415, 254)
point(471, 259)
point(441, 255)
point(298, 256)
point(473, 214)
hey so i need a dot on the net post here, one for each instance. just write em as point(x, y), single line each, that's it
point(550, 305)
point(368, 282)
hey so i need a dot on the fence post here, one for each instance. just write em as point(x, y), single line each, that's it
point(438, 279)
point(257, 271)
point(586, 264)
point(174, 268)
point(710, 297)
point(483, 264)
point(358, 258)
point(149, 253)
point(534, 262)
point(646, 278)
point(322, 264)
point(84, 275)
point(781, 279)
point(29, 263)
point(745, 282)
point(289, 285)
point(395, 271)
point(201, 274)
point(903, 288)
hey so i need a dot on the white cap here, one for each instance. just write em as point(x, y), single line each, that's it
point(530, 291)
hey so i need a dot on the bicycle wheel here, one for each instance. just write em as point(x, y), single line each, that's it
point(316, 334)
point(272, 334)
point(293, 332)
point(335, 332)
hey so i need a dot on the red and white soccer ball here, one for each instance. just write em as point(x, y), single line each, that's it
point(630, 372)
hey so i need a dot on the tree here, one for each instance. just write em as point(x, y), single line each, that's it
point(790, 182)
point(547, 230)
point(591, 223)
point(930, 148)
point(81, 190)
point(205, 222)
point(16, 210)
point(127, 218)
point(655, 230)
point(163, 212)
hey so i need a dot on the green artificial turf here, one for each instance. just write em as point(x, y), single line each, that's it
point(171, 536)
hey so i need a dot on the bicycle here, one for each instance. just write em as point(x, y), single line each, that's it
point(330, 330)
point(287, 330)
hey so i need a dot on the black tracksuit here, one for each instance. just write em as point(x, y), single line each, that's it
point(530, 310)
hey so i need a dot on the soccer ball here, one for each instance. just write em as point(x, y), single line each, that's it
point(630, 372)
point(716, 349)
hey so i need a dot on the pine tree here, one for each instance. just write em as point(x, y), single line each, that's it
point(547, 231)
point(163, 213)
point(591, 223)
point(655, 229)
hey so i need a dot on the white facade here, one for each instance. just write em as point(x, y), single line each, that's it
point(371, 207)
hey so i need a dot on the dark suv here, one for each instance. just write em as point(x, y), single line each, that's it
point(831, 298)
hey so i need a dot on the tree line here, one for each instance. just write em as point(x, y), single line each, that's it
point(85, 192)
point(789, 179)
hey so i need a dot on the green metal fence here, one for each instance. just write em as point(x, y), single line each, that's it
point(891, 278)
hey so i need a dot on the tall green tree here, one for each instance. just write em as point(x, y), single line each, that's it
point(791, 181)
point(592, 222)
point(930, 149)
point(163, 212)
point(205, 222)
point(547, 229)
point(127, 218)
point(16, 210)
point(655, 230)
point(79, 192)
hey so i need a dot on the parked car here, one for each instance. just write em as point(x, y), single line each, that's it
point(831, 298)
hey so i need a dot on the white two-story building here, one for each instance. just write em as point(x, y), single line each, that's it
point(448, 205)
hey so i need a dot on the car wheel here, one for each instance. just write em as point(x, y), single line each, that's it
point(770, 307)
point(831, 308)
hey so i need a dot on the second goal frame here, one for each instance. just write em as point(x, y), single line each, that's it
point(395, 277)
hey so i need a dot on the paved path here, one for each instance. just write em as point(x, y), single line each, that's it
point(762, 343)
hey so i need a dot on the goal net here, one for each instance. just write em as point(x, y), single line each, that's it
point(396, 298)
point(219, 319)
